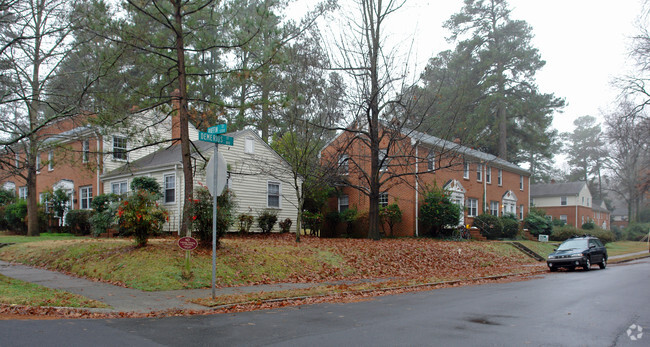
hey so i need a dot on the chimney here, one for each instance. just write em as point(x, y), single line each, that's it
point(457, 140)
point(552, 181)
point(176, 119)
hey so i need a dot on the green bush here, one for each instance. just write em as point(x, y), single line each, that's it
point(200, 214)
point(636, 231)
point(102, 202)
point(285, 225)
point(245, 222)
point(146, 183)
point(438, 211)
point(489, 225)
point(391, 215)
point(104, 218)
point(510, 227)
point(564, 232)
point(604, 235)
point(79, 221)
point(349, 216)
point(312, 221)
point(7, 197)
point(538, 225)
point(644, 215)
point(141, 216)
point(590, 225)
point(15, 216)
point(558, 223)
point(266, 220)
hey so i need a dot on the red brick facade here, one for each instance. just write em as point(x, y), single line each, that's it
point(410, 160)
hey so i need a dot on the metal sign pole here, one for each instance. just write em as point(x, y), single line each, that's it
point(214, 221)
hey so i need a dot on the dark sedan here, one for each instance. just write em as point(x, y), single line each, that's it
point(578, 251)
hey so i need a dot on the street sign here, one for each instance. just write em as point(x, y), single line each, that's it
point(187, 243)
point(214, 138)
point(217, 129)
point(222, 175)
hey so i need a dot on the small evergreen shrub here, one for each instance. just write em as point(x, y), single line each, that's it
point(312, 221)
point(636, 231)
point(438, 212)
point(349, 216)
point(489, 225)
point(105, 216)
point(79, 221)
point(285, 225)
point(564, 232)
point(15, 216)
point(200, 214)
point(590, 225)
point(558, 223)
point(146, 183)
point(245, 222)
point(510, 227)
point(538, 225)
point(391, 215)
point(266, 219)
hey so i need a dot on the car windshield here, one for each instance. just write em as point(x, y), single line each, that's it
point(573, 244)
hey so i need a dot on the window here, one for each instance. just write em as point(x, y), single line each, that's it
point(494, 208)
point(521, 182)
point(344, 162)
point(583, 220)
point(383, 161)
point(521, 212)
point(50, 160)
point(249, 145)
point(488, 175)
point(563, 201)
point(118, 188)
point(170, 188)
point(120, 148)
point(44, 202)
point(273, 194)
point(466, 170)
point(472, 207)
point(85, 151)
point(500, 177)
point(22, 193)
point(431, 161)
point(587, 201)
point(563, 218)
point(38, 162)
point(85, 197)
point(383, 199)
point(479, 172)
point(583, 200)
point(17, 161)
point(344, 203)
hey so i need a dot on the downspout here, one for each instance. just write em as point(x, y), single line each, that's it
point(417, 194)
point(484, 168)
point(577, 195)
point(100, 189)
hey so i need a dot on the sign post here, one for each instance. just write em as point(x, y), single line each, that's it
point(214, 135)
point(187, 243)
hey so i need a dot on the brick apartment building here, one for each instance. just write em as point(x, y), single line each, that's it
point(477, 181)
point(571, 202)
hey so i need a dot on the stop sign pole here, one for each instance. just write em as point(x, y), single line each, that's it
point(214, 135)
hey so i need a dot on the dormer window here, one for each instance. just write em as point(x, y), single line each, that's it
point(120, 148)
point(344, 164)
point(249, 145)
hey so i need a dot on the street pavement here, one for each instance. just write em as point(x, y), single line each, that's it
point(578, 308)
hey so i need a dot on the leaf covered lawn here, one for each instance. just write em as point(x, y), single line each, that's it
point(262, 259)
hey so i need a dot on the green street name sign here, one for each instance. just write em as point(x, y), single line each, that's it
point(214, 138)
point(217, 129)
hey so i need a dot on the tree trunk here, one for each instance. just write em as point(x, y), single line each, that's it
point(373, 126)
point(183, 113)
point(33, 107)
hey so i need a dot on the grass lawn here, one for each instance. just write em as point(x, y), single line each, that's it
point(270, 259)
point(6, 237)
point(623, 247)
point(541, 248)
point(13, 291)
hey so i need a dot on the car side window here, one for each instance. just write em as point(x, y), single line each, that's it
point(599, 244)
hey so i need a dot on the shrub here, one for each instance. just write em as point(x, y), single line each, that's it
point(564, 232)
point(285, 225)
point(79, 221)
point(590, 225)
point(7, 197)
point(510, 227)
point(538, 224)
point(489, 225)
point(266, 220)
point(558, 223)
point(604, 235)
point(58, 201)
point(349, 216)
point(312, 221)
point(636, 231)
point(15, 216)
point(141, 216)
point(104, 218)
point(245, 222)
point(146, 183)
point(200, 212)
point(391, 215)
point(438, 211)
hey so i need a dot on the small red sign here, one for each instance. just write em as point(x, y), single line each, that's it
point(187, 243)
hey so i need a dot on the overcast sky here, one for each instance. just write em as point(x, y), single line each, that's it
point(584, 44)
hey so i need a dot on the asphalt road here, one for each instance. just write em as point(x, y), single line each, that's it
point(578, 308)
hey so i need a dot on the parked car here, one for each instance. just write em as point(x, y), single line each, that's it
point(578, 251)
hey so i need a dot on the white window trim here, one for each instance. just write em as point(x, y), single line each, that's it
point(17, 161)
point(173, 175)
point(471, 206)
point(20, 192)
point(126, 149)
point(521, 182)
point(279, 194)
point(479, 172)
point(339, 202)
point(38, 163)
point(383, 161)
point(497, 208)
point(488, 175)
point(89, 198)
point(249, 145)
point(120, 183)
point(85, 151)
point(500, 178)
point(564, 201)
point(382, 195)
point(50, 160)
point(344, 164)
point(466, 170)
point(431, 161)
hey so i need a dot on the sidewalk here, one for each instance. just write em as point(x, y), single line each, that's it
point(126, 299)
point(133, 300)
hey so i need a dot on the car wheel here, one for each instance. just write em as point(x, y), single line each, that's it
point(587, 266)
point(603, 264)
point(571, 268)
point(552, 269)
